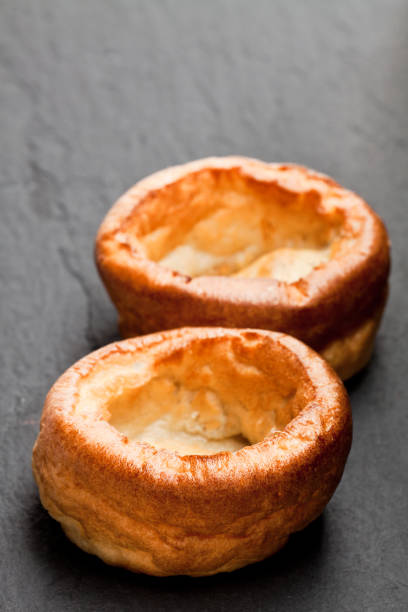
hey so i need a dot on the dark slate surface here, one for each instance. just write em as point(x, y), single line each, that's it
point(95, 95)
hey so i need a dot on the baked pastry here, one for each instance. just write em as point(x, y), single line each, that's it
point(238, 242)
point(192, 451)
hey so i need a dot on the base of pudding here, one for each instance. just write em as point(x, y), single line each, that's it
point(121, 556)
point(351, 353)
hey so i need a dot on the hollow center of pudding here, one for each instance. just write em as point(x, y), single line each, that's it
point(207, 398)
point(185, 436)
point(169, 415)
point(220, 222)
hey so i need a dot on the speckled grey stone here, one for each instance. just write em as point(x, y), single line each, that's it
point(93, 96)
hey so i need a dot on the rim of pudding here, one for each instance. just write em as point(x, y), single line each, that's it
point(244, 234)
point(207, 224)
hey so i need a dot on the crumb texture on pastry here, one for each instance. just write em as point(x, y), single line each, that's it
point(192, 451)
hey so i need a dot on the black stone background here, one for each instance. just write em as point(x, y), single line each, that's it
point(97, 94)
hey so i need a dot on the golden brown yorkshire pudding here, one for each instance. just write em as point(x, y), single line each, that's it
point(192, 451)
point(241, 243)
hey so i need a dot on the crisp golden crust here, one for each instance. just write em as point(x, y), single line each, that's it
point(160, 512)
point(240, 243)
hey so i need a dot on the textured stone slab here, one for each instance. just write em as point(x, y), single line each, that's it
point(93, 96)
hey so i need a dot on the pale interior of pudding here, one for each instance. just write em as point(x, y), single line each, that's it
point(182, 435)
point(169, 415)
point(284, 264)
point(226, 225)
point(201, 401)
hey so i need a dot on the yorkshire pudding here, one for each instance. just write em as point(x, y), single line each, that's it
point(192, 451)
point(238, 242)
